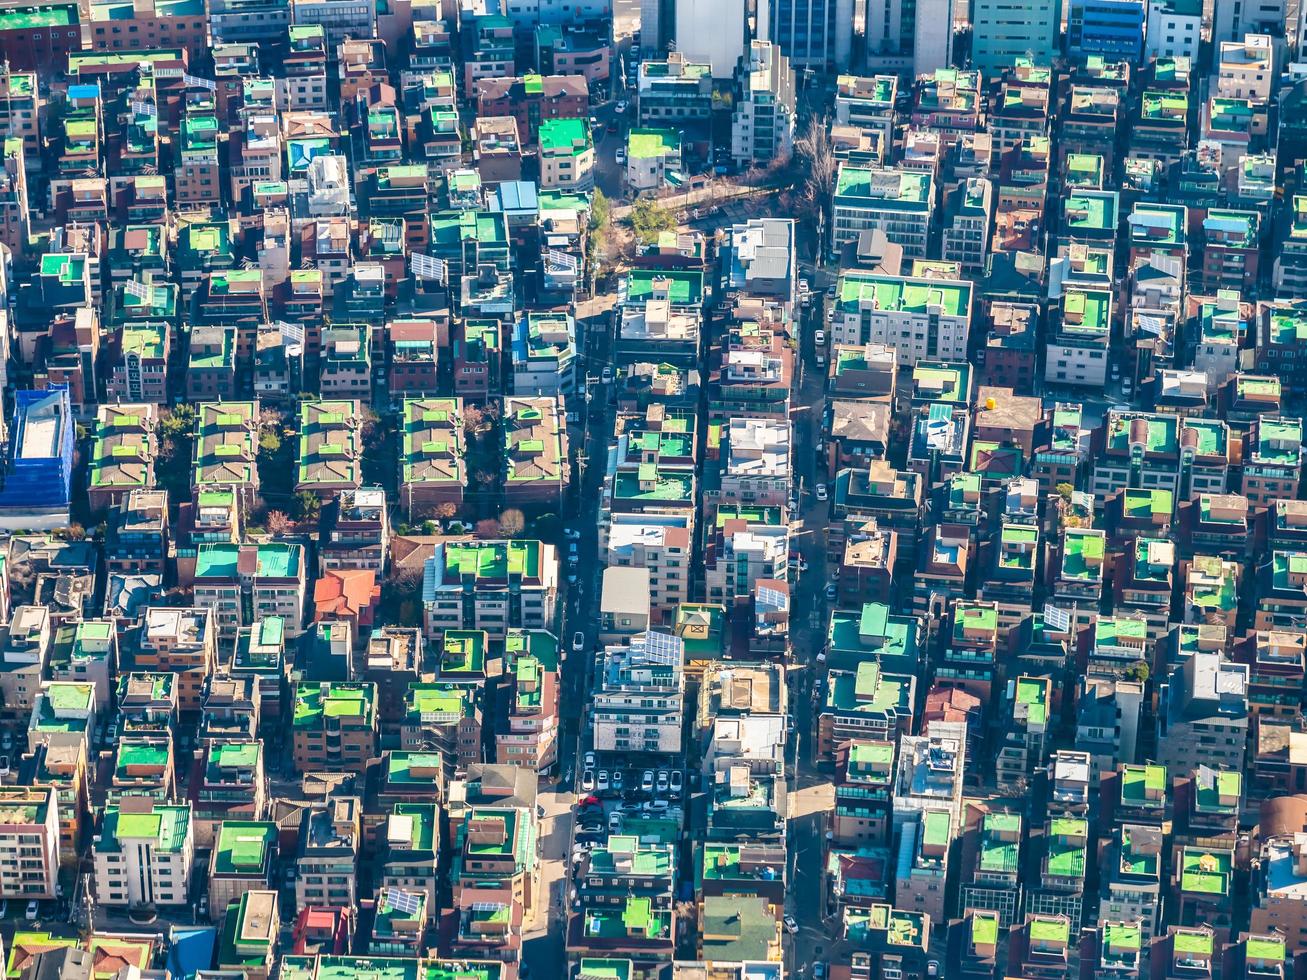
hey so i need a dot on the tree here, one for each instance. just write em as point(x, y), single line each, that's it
point(279, 523)
point(512, 522)
point(1138, 671)
point(815, 155)
point(488, 528)
point(269, 443)
point(1065, 490)
point(307, 505)
point(446, 510)
point(649, 219)
point(600, 210)
point(475, 421)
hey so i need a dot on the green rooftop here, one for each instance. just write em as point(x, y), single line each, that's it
point(564, 136)
point(348, 702)
point(1205, 872)
point(899, 294)
point(244, 847)
point(647, 144)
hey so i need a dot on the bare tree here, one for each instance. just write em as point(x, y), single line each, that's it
point(512, 522)
point(279, 523)
point(447, 509)
point(814, 152)
point(488, 528)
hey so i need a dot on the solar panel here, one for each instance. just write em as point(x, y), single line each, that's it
point(486, 906)
point(193, 81)
point(142, 108)
point(1057, 618)
point(773, 597)
point(403, 901)
point(139, 290)
point(663, 647)
point(561, 259)
point(294, 332)
point(425, 267)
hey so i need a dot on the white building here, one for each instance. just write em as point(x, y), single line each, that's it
point(651, 154)
point(916, 44)
point(749, 552)
point(144, 853)
point(897, 202)
point(340, 19)
point(929, 773)
point(1245, 69)
point(639, 699)
point(713, 32)
point(1077, 353)
point(1232, 19)
point(762, 125)
point(756, 462)
point(29, 842)
point(661, 543)
point(1174, 29)
point(919, 318)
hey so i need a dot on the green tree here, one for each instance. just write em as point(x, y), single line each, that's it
point(600, 210)
point(649, 219)
point(1138, 671)
point(1065, 490)
point(307, 505)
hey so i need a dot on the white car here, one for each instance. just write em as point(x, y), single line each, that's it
point(33, 910)
point(791, 926)
point(663, 781)
point(606, 375)
point(676, 782)
point(820, 491)
point(647, 781)
point(620, 156)
point(601, 781)
point(588, 781)
point(589, 760)
point(572, 534)
point(578, 642)
point(621, 107)
point(819, 338)
point(832, 592)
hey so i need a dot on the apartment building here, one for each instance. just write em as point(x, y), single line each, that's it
point(898, 203)
point(659, 542)
point(335, 725)
point(1203, 713)
point(763, 120)
point(182, 642)
point(1077, 354)
point(29, 842)
point(1273, 460)
point(918, 318)
point(639, 698)
point(489, 585)
point(143, 854)
point(243, 584)
point(327, 853)
point(536, 463)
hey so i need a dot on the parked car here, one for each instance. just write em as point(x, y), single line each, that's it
point(620, 156)
point(791, 926)
point(647, 781)
point(819, 338)
point(578, 642)
point(677, 783)
point(621, 106)
point(820, 491)
point(832, 593)
point(588, 781)
point(606, 375)
point(615, 822)
point(601, 781)
point(617, 780)
point(663, 781)
point(588, 760)
point(33, 910)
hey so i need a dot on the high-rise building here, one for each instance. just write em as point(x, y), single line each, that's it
point(1112, 28)
point(715, 32)
point(1005, 30)
point(1232, 19)
point(909, 35)
point(810, 33)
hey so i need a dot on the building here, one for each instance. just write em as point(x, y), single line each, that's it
point(675, 90)
point(326, 854)
point(536, 464)
point(910, 39)
point(763, 118)
point(712, 32)
point(41, 36)
point(1204, 703)
point(811, 33)
point(898, 203)
point(919, 318)
point(1232, 21)
point(38, 463)
point(567, 155)
point(1006, 31)
point(246, 583)
point(335, 726)
point(659, 542)
point(29, 834)
point(638, 703)
point(144, 854)
point(1111, 28)
point(489, 585)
